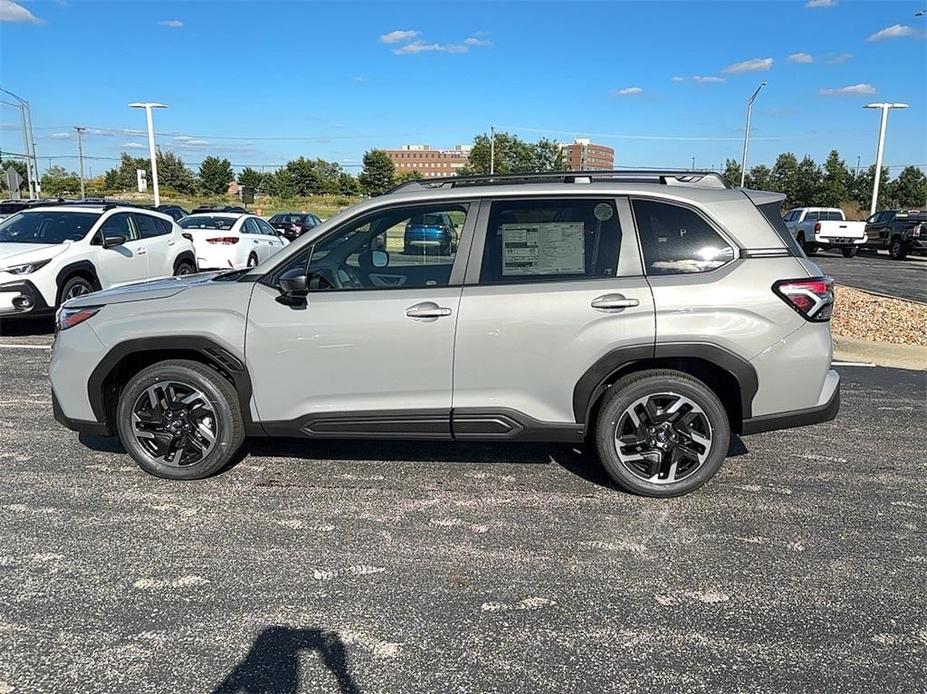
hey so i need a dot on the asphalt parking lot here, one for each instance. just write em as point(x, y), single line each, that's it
point(371, 567)
point(906, 279)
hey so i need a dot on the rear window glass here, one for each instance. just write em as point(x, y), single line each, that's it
point(207, 222)
point(771, 211)
point(676, 240)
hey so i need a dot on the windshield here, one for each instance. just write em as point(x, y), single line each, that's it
point(47, 227)
point(207, 221)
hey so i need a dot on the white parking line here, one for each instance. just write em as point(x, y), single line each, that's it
point(852, 363)
point(25, 346)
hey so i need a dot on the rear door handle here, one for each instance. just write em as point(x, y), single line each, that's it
point(427, 309)
point(612, 302)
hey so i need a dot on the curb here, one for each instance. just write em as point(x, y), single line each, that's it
point(912, 357)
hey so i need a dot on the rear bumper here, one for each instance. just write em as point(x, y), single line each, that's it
point(820, 413)
point(839, 241)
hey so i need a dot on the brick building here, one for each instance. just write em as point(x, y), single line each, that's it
point(583, 155)
point(427, 161)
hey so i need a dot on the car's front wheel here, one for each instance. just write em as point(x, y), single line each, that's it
point(180, 419)
point(849, 252)
point(661, 433)
point(897, 250)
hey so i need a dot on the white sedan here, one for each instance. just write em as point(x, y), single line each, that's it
point(230, 240)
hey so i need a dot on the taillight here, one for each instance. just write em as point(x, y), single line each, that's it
point(817, 227)
point(69, 317)
point(224, 240)
point(812, 298)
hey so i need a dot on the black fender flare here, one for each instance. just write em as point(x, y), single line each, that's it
point(184, 256)
point(84, 267)
point(213, 353)
point(595, 380)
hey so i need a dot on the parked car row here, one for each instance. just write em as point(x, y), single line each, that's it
point(899, 232)
point(55, 250)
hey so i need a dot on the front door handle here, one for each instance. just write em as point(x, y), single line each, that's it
point(613, 302)
point(426, 310)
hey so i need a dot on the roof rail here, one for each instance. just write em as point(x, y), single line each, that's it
point(671, 177)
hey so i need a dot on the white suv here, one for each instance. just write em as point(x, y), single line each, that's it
point(51, 254)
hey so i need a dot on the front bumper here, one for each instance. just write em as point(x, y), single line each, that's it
point(22, 297)
point(79, 425)
point(822, 412)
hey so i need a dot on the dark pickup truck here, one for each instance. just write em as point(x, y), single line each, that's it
point(899, 231)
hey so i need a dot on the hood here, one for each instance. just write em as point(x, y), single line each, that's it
point(18, 253)
point(142, 291)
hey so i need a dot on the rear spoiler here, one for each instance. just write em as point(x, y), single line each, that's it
point(763, 197)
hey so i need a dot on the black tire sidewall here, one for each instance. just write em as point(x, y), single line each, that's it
point(627, 392)
point(900, 254)
point(848, 252)
point(184, 264)
point(226, 413)
point(68, 283)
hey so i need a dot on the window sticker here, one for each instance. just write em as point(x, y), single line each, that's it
point(603, 212)
point(543, 248)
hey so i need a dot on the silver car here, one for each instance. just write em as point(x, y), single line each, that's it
point(647, 315)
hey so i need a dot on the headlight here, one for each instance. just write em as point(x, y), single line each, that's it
point(25, 268)
point(69, 317)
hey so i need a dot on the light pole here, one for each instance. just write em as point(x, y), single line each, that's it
point(80, 154)
point(877, 175)
point(492, 150)
point(31, 176)
point(743, 161)
point(148, 105)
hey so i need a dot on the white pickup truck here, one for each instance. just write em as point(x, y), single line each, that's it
point(820, 228)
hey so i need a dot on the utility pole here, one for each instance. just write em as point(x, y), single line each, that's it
point(743, 161)
point(492, 150)
point(693, 163)
point(80, 154)
point(877, 174)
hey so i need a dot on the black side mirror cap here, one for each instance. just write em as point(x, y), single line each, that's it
point(113, 240)
point(294, 287)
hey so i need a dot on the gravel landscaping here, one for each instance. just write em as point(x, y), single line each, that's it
point(865, 316)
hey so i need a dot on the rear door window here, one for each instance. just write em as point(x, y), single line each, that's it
point(550, 240)
point(150, 227)
point(677, 240)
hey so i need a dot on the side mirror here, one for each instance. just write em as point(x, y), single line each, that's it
point(294, 283)
point(111, 240)
point(379, 258)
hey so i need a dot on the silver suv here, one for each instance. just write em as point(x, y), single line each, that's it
point(648, 315)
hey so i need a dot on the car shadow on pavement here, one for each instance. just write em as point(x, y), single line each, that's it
point(577, 459)
point(27, 327)
point(273, 662)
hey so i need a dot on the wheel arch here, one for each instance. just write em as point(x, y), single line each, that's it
point(729, 376)
point(83, 268)
point(128, 358)
point(184, 256)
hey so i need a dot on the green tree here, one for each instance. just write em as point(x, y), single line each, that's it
point(251, 178)
point(784, 177)
point(731, 173)
point(124, 177)
point(834, 186)
point(909, 189)
point(348, 184)
point(861, 189)
point(808, 182)
point(59, 181)
point(546, 155)
point(172, 173)
point(378, 173)
point(512, 155)
point(215, 175)
point(411, 175)
point(759, 177)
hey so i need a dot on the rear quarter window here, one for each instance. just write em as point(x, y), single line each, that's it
point(771, 212)
point(676, 240)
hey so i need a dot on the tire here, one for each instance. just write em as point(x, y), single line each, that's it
point(184, 268)
point(661, 390)
point(252, 260)
point(897, 250)
point(808, 248)
point(849, 252)
point(74, 286)
point(182, 450)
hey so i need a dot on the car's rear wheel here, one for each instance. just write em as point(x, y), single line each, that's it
point(252, 260)
point(808, 248)
point(661, 433)
point(849, 252)
point(184, 268)
point(897, 250)
point(180, 419)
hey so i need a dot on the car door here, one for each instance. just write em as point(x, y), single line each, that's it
point(160, 243)
point(275, 242)
point(359, 357)
point(124, 263)
point(255, 238)
point(553, 286)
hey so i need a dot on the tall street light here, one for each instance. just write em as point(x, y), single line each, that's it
point(743, 161)
point(80, 154)
point(877, 175)
point(148, 105)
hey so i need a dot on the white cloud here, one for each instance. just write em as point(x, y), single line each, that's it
point(752, 65)
point(60, 136)
point(171, 23)
point(707, 79)
point(861, 89)
point(679, 79)
point(821, 3)
point(14, 12)
point(188, 141)
point(476, 41)
point(627, 91)
point(134, 145)
point(398, 36)
point(801, 58)
point(418, 47)
point(839, 59)
point(895, 31)
point(359, 78)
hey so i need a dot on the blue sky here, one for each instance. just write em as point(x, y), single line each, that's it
point(661, 82)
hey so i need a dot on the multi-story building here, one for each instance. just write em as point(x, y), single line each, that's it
point(583, 155)
point(427, 161)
